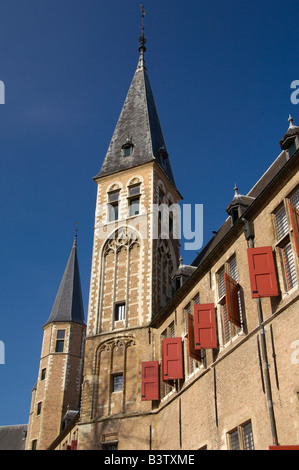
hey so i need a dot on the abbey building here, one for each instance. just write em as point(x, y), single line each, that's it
point(171, 356)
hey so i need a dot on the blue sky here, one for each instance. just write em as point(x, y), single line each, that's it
point(221, 75)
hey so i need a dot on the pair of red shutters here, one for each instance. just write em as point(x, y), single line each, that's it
point(172, 352)
point(261, 263)
point(172, 369)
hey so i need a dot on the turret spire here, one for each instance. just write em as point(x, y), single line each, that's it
point(68, 305)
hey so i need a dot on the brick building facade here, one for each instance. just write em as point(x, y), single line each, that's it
point(178, 357)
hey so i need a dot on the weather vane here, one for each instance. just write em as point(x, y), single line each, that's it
point(76, 234)
point(142, 39)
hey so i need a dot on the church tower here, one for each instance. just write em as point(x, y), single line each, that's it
point(58, 386)
point(135, 254)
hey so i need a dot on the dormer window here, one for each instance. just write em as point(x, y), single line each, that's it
point(292, 148)
point(127, 148)
point(127, 151)
point(238, 205)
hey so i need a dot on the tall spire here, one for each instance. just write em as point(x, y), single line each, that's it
point(68, 305)
point(139, 122)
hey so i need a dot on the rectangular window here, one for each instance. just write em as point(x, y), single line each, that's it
point(171, 330)
point(113, 199)
point(294, 215)
point(281, 220)
point(195, 356)
point(229, 302)
point(134, 200)
point(134, 208)
point(110, 446)
point(292, 149)
point(187, 310)
point(113, 212)
point(39, 408)
point(127, 151)
point(289, 267)
point(165, 386)
point(134, 190)
point(294, 199)
point(60, 341)
point(241, 438)
point(233, 437)
point(120, 311)
point(34, 444)
point(233, 269)
point(117, 383)
point(225, 325)
point(248, 443)
point(221, 285)
point(284, 249)
point(43, 374)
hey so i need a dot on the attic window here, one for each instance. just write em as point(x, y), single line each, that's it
point(127, 148)
point(127, 151)
point(292, 148)
point(235, 214)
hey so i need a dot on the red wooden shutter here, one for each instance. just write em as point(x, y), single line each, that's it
point(195, 354)
point(205, 334)
point(172, 359)
point(74, 445)
point(262, 272)
point(294, 213)
point(232, 300)
point(150, 380)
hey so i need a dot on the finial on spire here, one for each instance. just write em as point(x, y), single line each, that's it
point(236, 189)
point(76, 235)
point(142, 38)
point(291, 122)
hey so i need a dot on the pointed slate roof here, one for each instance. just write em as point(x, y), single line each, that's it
point(68, 305)
point(139, 124)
